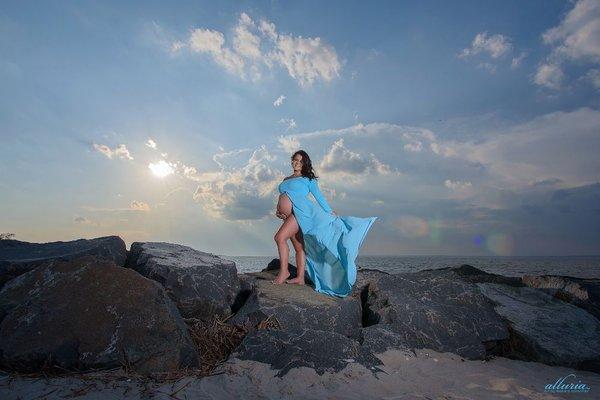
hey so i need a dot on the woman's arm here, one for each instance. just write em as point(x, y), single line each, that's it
point(313, 186)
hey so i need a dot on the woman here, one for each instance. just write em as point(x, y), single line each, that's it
point(326, 244)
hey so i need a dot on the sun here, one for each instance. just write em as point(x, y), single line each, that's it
point(161, 168)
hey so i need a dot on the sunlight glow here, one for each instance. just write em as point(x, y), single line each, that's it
point(161, 168)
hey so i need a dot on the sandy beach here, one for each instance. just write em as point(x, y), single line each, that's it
point(427, 374)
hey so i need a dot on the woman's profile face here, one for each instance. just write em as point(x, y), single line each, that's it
point(297, 162)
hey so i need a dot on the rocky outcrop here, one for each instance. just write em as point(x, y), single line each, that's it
point(90, 313)
point(201, 284)
point(435, 309)
point(297, 307)
point(17, 257)
point(468, 273)
point(584, 293)
point(320, 350)
point(545, 329)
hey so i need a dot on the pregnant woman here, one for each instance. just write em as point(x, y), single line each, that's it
point(326, 244)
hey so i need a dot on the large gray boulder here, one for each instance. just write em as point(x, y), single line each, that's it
point(584, 293)
point(317, 349)
point(297, 307)
point(546, 329)
point(434, 309)
point(89, 313)
point(201, 284)
point(18, 257)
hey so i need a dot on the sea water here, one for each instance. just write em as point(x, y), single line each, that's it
point(577, 266)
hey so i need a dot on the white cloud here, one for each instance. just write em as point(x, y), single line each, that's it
point(151, 143)
point(244, 193)
point(279, 101)
point(496, 45)
point(342, 160)
point(245, 42)
point(119, 152)
point(414, 146)
point(549, 75)
point(211, 42)
point(575, 39)
point(537, 150)
point(289, 122)
point(289, 144)
point(305, 59)
point(219, 158)
point(578, 34)
point(139, 206)
point(516, 61)
point(457, 185)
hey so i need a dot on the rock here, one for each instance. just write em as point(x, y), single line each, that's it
point(584, 293)
point(90, 313)
point(364, 277)
point(379, 338)
point(320, 350)
point(545, 329)
point(247, 285)
point(201, 284)
point(434, 309)
point(297, 307)
point(273, 268)
point(17, 257)
point(471, 274)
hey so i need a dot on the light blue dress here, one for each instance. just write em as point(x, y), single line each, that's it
point(331, 242)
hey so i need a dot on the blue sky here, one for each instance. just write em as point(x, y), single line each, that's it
point(468, 128)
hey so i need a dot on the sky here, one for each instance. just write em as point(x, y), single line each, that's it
point(467, 128)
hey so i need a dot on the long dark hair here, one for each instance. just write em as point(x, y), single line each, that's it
point(307, 168)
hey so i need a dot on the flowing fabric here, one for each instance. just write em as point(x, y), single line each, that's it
point(331, 242)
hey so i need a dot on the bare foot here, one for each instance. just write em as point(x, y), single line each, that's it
point(280, 278)
point(298, 280)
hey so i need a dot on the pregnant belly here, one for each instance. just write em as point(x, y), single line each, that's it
point(284, 205)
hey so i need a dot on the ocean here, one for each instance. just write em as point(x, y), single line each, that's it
point(576, 266)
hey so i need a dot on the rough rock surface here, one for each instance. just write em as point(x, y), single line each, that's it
point(378, 338)
point(320, 350)
point(298, 307)
point(201, 284)
point(545, 329)
point(90, 313)
point(18, 257)
point(436, 310)
point(584, 293)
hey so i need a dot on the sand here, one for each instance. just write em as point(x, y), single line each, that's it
point(425, 375)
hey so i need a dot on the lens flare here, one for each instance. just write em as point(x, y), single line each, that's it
point(479, 240)
point(500, 244)
point(412, 226)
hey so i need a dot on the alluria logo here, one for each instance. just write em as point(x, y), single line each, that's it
point(561, 387)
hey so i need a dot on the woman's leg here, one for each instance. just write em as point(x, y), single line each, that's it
point(288, 229)
point(298, 243)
